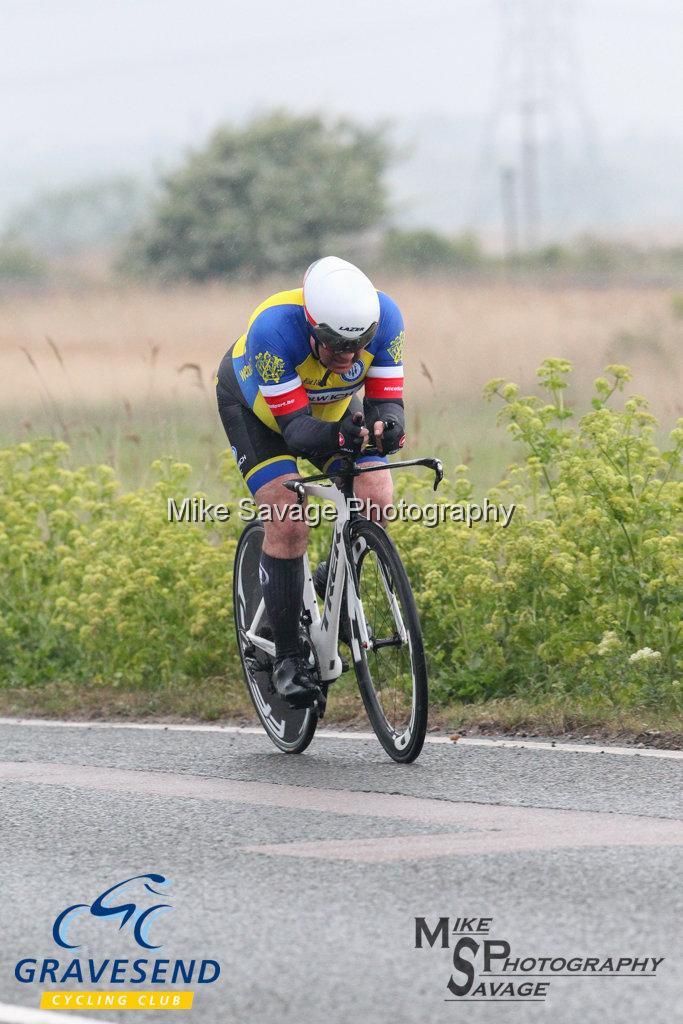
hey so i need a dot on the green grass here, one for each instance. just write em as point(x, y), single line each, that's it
point(567, 621)
point(225, 700)
point(130, 437)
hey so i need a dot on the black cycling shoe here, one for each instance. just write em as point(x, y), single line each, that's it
point(294, 682)
point(320, 584)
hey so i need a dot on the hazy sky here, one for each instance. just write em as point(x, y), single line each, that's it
point(117, 82)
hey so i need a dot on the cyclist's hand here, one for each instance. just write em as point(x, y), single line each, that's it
point(389, 436)
point(353, 434)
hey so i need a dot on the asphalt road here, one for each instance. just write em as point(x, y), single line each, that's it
point(303, 876)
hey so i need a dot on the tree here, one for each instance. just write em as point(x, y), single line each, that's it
point(78, 217)
point(424, 251)
point(19, 264)
point(267, 197)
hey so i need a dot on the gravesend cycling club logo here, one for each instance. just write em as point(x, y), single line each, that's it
point(126, 912)
point(485, 968)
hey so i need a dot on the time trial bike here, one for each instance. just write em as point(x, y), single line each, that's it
point(382, 627)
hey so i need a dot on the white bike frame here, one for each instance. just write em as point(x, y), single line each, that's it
point(324, 629)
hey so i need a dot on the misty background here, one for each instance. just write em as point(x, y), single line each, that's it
point(122, 89)
point(507, 170)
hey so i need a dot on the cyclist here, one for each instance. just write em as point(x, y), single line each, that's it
point(288, 387)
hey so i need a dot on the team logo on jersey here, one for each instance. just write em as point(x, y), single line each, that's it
point(395, 349)
point(354, 373)
point(270, 367)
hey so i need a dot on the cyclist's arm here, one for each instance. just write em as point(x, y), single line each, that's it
point(384, 382)
point(302, 433)
point(285, 395)
point(384, 409)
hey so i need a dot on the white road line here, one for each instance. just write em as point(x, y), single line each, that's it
point(250, 730)
point(497, 828)
point(10, 1014)
point(572, 748)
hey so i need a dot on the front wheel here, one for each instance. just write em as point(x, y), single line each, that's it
point(291, 730)
point(391, 672)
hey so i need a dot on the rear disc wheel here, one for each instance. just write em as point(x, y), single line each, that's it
point(291, 730)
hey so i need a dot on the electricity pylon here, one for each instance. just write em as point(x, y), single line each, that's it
point(539, 121)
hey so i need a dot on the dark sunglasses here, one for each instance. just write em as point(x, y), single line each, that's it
point(336, 343)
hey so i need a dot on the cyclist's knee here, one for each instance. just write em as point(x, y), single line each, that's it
point(375, 488)
point(286, 533)
point(286, 539)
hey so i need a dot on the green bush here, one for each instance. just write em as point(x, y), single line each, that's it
point(99, 586)
point(583, 591)
point(19, 264)
point(581, 594)
point(274, 195)
point(80, 217)
point(422, 251)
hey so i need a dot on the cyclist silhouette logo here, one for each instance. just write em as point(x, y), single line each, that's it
point(108, 905)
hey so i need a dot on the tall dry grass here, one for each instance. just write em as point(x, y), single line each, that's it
point(134, 344)
point(125, 375)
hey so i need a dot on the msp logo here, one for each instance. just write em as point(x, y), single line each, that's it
point(270, 367)
point(354, 373)
point(102, 907)
point(487, 968)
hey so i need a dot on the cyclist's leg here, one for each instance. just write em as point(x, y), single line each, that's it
point(265, 463)
point(282, 563)
point(375, 490)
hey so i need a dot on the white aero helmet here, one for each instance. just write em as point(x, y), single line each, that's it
point(341, 304)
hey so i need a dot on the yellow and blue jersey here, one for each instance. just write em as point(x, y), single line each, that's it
point(278, 373)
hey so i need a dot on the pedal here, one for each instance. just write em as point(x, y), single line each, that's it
point(252, 663)
point(258, 662)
